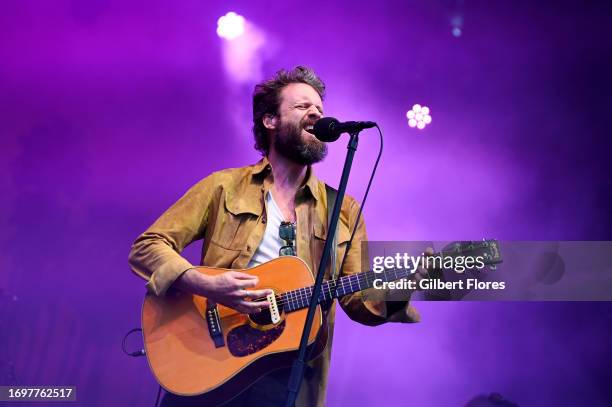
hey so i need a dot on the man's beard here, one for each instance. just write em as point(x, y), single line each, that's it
point(289, 143)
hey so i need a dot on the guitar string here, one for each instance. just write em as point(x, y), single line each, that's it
point(303, 295)
point(297, 297)
point(307, 291)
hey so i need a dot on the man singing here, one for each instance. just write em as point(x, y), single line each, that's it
point(239, 212)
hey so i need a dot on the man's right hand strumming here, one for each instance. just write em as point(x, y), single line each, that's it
point(230, 289)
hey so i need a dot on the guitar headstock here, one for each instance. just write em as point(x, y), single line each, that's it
point(487, 248)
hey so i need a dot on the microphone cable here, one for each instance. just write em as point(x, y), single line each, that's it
point(137, 353)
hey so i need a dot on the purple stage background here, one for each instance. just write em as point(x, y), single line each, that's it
point(110, 110)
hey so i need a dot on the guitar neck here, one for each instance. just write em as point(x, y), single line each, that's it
point(332, 289)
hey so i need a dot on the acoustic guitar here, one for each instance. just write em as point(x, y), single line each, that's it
point(214, 351)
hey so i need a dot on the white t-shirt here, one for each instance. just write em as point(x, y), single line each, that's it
point(271, 242)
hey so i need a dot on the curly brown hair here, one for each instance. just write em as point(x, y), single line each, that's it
point(266, 99)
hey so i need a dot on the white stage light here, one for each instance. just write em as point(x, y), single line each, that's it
point(419, 116)
point(230, 26)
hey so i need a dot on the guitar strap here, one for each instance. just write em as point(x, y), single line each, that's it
point(331, 199)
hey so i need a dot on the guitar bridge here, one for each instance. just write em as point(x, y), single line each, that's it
point(214, 326)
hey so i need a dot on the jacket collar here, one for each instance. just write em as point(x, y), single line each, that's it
point(241, 198)
point(263, 168)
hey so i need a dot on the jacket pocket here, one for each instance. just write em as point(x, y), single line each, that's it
point(343, 237)
point(219, 256)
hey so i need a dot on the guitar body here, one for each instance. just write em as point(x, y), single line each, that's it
point(185, 359)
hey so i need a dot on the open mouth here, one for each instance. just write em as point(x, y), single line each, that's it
point(309, 128)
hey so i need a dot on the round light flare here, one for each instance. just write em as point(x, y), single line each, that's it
point(418, 117)
point(230, 26)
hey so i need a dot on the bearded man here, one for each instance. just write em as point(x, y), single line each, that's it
point(239, 212)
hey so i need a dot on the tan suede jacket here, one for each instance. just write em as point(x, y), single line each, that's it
point(227, 211)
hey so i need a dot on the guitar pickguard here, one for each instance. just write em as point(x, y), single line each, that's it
point(246, 340)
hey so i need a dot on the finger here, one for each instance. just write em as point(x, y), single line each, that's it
point(252, 306)
point(243, 276)
point(241, 309)
point(420, 274)
point(261, 304)
point(244, 284)
point(258, 293)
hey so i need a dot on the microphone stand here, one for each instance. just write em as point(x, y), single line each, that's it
point(297, 370)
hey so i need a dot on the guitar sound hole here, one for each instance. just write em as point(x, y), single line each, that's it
point(261, 318)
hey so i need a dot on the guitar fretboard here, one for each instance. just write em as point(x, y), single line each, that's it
point(331, 289)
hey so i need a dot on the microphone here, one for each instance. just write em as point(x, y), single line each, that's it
point(329, 129)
